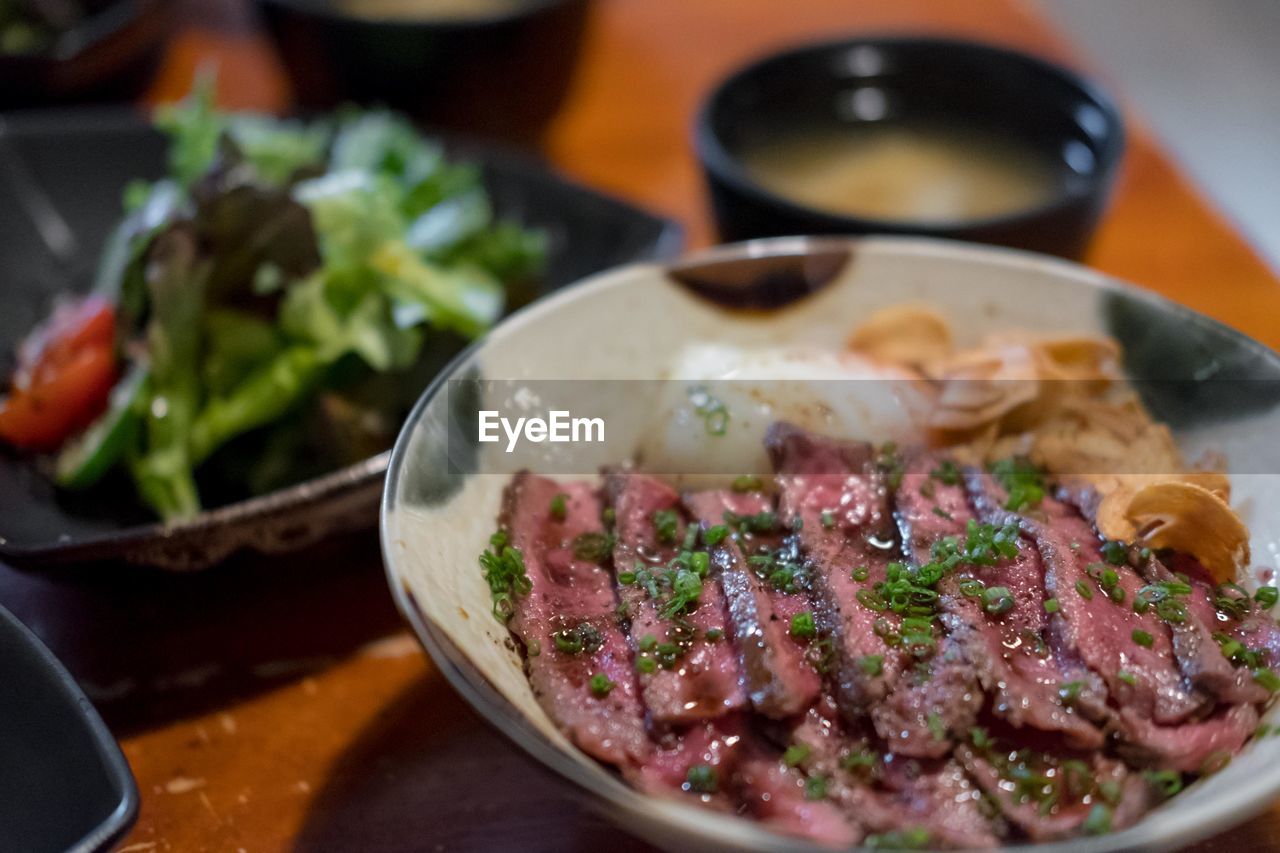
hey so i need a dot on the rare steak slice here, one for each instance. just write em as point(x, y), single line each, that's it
point(992, 601)
point(695, 762)
point(580, 666)
point(934, 803)
point(834, 494)
point(1051, 797)
point(699, 675)
point(785, 800)
point(1095, 618)
point(1195, 637)
point(764, 586)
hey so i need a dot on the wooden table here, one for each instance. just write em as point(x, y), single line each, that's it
point(275, 704)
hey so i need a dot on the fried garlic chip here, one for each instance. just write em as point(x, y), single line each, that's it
point(1190, 518)
point(910, 333)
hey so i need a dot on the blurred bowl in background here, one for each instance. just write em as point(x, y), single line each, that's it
point(920, 136)
point(107, 54)
point(494, 67)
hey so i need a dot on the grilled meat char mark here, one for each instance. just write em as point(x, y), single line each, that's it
point(1198, 654)
point(833, 491)
point(573, 599)
point(780, 680)
point(706, 681)
point(1009, 651)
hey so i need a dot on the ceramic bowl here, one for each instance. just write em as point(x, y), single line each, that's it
point(500, 73)
point(1065, 119)
point(1218, 388)
point(64, 784)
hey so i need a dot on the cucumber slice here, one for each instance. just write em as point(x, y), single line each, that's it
point(86, 458)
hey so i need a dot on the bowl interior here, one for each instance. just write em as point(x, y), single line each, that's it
point(443, 491)
point(828, 89)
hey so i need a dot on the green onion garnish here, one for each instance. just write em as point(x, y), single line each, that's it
point(803, 626)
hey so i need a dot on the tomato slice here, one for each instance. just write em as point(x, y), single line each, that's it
point(65, 373)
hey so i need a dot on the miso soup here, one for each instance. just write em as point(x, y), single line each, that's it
point(928, 173)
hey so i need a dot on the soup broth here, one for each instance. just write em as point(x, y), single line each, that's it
point(427, 10)
point(926, 173)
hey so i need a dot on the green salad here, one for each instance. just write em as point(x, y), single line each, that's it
point(271, 307)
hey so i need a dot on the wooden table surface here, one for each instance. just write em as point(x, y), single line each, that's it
point(278, 703)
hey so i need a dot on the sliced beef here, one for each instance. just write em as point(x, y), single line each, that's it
point(779, 677)
point(835, 494)
point(1193, 747)
point(711, 748)
point(1198, 654)
point(573, 599)
point(775, 794)
point(707, 681)
point(1089, 624)
point(1049, 798)
point(1009, 652)
point(938, 798)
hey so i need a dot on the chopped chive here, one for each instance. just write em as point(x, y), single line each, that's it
point(1051, 605)
point(1267, 596)
point(815, 788)
point(1114, 553)
point(747, 483)
point(648, 643)
point(1099, 820)
point(559, 507)
point(1069, 691)
point(1166, 782)
point(1144, 639)
point(601, 685)
point(802, 625)
point(795, 754)
point(665, 524)
point(872, 665)
point(713, 634)
point(715, 535)
point(947, 472)
point(702, 779)
point(646, 665)
point(861, 573)
point(1128, 678)
point(626, 578)
point(1085, 592)
point(942, 513)
point(1267, 679)
point(936, 728)
point(997, 600)
point(828, 519)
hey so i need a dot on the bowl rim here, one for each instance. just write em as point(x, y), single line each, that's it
point(325, 11)
point(712, 830)
point(723, 165)
point(114, 765)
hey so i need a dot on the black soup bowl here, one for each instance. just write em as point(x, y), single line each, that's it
point(497, 69)
point(1073, 129)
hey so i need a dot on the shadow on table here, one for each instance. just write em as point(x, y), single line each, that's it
point(149, 647)
point(429, 775)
